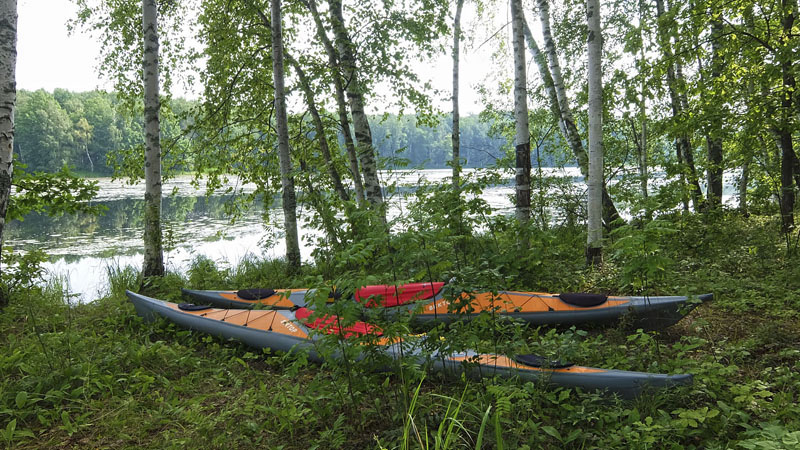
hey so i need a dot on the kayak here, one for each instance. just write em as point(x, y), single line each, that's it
point(289, 330)
point(537, 308)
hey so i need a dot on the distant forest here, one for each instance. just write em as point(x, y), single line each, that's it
point(81, 130)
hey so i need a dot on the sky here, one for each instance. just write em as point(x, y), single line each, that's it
point(49, 57)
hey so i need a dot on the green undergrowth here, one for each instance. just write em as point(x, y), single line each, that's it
point(96, 376)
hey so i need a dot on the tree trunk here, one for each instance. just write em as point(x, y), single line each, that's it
point(322, 138)
point(89, 157)
point(329, 222)
point(559, 103)
point(743, 186)
point(682, 176)
point(341, 104)
point(355, 96)
point(686, 145)
point(153, 251)
point(787, 182)
point(522, 141)
point(8, 102)
point(319, 128)
point(594, 48)
point(456, 138)
point(788, 156)
point(714, 141)
point(679, 103)
point(282, 127)
point(642, 141)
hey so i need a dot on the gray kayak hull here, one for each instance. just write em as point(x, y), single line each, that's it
point(625, 383)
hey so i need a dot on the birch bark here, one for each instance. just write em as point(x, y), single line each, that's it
point(594, 46)
point(355, 97)
point(282, 127)
point(308, 93)
point(456, 138)
point(153, 251)
point(643, 153)
point(341, 104)
point(522, 142)
point(8, 102)
point(550, 71)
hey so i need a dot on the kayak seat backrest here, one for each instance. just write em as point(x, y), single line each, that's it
point(532, 360)
point(386, 295)
point(583, 299)
point(255, 294)
point(192, 307)
point(329, 324)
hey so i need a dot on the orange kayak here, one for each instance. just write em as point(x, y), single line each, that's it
point(428, 302)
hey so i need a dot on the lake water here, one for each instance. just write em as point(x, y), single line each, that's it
point(83, 246)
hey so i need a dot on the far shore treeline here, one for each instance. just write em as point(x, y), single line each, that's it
point(81, 130)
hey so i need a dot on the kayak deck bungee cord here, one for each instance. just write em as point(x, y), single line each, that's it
point(537, 308)
point(289, 330)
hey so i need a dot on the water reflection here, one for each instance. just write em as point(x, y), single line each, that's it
point(82, 245)
point(119, 230)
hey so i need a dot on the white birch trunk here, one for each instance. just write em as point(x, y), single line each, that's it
point(8, 102)
point(557, 94)
point(643, 153)
point(322, 138)
point(341, 104)
point(456, 138)
point(522, 141)
point(282, 127)
point(355, 96)
point(153, 251)
point(553, 64)
point(594, 48)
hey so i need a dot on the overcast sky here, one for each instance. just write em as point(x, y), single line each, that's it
point(49, 57)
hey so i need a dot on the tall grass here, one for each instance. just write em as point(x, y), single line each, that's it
point(121, 279)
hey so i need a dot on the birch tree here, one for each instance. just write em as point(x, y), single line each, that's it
point(8, 98)
point(319, 128)
point(341, 104)
point(282, 128)
point(594, 48)
point(522, 141)
point(550, 71)
point(456, 135)
point(153, 252)
point(355, 97)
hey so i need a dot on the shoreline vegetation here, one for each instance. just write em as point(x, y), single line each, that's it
point(92, 133)
point(95, 376)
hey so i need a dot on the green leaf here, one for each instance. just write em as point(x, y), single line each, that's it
point(552, 432)
point(22, 399)
point(9, 433)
